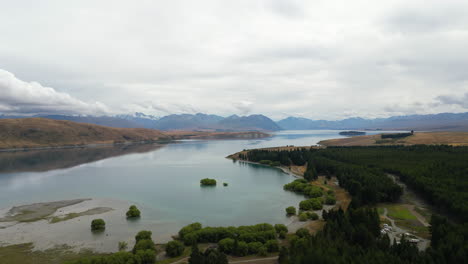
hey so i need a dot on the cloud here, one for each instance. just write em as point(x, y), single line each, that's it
point(461, 100)
point(322, 59)
point(20, 97)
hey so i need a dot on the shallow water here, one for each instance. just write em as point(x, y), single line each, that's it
point(162, 180)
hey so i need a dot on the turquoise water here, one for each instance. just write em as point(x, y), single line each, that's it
point(162, 180)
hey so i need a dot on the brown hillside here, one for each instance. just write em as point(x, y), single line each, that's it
point(429, 138)
point(42, 132)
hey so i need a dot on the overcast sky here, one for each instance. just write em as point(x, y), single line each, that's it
point(315, 59)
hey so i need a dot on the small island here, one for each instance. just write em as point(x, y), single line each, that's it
point(208, 182)
point(352, 133)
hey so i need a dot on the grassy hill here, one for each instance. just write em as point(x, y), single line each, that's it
point(430, 138)
point(42, 132)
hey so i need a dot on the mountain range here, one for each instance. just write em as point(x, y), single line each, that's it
point(206, 122)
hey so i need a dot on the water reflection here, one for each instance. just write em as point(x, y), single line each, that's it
point(46, 160)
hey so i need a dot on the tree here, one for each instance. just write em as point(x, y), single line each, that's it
point(208, 182)
point(303, 217)
point(280, 228)
point(144, 234)
point(312, 216)
point(272, 245)
point(302, 232)
point(133, 212)
point(98, 225)
point(226, 245)
point(291, 210)
point(195, 257)
point(146, 256)
point(254, 247)
point(144, 244)
point(242, 249)
point(174, 248)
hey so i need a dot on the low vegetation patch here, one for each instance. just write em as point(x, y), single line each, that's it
point(98, 225)
point(133, 212)
point(208, 182)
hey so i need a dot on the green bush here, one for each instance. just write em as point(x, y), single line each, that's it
point(276, 164)
point(98, 225)
point(254, 247)
point(265, 162)
point(133, 212)
point(272, 245)
point(291, 210)
point(146, 257)
point(262, 251)
point(330, 200)
point(143, 235)
point(144, 244)
point(303, 217)
point(189, 229)
point(282, 235)
point(242, 249)
point(208, 182)
point(311, 204)
point(174, 248)
point(312, 215)
point(226, 245)
point(225, 184)
point(254, 233)
point(123, 246)
point(281, 228)
point(302, 232)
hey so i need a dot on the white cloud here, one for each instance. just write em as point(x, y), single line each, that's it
point(19, 97)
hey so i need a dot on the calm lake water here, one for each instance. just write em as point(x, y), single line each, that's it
point(162, 180)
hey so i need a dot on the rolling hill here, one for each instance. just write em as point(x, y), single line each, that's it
point(43, 132)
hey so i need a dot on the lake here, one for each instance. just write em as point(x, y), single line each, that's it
point(162, 180)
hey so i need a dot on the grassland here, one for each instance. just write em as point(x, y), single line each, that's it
point(427, 138)
point(25, 254)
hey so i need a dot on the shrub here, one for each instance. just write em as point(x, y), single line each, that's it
point(315, 192)
point(262, 251)
point(174, 248)
point(276, 164)
point(188, 229)
point(312, 215)
point(225, 184)
point(291, 210)
point(143, 235)
point(265, 162)
point(98, 225)
point(302, 232)
point(305, 205)
point(254, 247)
point(280, 228)
point(282, 235)
point(303, 217)
point(208, 182)
point(133, 212)
point(144, 244)
point(272, 246)
point(146, 257)
point(226, 245)
point(330, 200)
point(123, 246)
point(242, 249)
